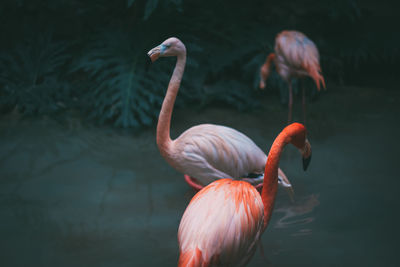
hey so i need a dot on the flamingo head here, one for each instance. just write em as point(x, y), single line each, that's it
point(300, 141)
point(170, 47)
point(264, 73)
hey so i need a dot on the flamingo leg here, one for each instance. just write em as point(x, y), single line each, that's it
point(304, 101)
point(262, 251)
point(290, 103)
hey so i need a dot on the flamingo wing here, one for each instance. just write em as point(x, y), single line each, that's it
point(221, 225)
point(209, 152)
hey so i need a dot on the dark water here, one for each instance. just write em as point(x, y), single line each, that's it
point(73, 195)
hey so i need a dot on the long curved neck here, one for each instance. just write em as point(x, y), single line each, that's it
point(268, 64)
point(164, 119)
point(270, 185)
point(266, 69)
point(269, 60)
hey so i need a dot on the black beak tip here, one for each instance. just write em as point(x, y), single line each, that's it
point(306, 162)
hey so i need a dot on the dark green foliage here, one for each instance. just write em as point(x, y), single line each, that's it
point(31, 76)
point(120, 89)
point(101, 46)
point(230, 92)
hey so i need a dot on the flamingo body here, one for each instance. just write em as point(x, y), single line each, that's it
point(226, 219)
point(295, 56)
point(207, 152)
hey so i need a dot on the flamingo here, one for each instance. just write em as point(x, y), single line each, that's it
point(207, 152)
point(225, 220)
point(295, 56)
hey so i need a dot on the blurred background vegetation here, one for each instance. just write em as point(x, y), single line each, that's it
point(89, 57)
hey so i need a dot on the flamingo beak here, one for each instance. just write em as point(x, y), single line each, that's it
point(284, 182)
point(154, 53)
point(288, 187)
point(306, 162)
point(290, 192)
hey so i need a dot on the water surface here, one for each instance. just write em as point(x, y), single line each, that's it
point(78, 195)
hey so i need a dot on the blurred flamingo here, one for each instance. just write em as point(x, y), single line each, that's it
point(207, 152)
point(295, 56)
point(224, 221)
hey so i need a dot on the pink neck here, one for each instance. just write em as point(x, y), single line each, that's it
point(267, 65)
point(164, 119)
point(270, 58)
point(270, 185)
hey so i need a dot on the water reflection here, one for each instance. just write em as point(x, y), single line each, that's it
point(297, 214)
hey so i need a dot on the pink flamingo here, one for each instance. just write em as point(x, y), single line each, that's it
point(295, 56)
point(224, 221)
point(207, 152)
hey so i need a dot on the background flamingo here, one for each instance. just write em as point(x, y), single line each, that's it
point(207, 152)
point(225, 220)
point(295, 56)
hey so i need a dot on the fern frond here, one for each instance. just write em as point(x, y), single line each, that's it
point(31, 75)
point(121, 91)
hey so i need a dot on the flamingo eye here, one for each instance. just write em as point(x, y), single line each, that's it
point(164, 47)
